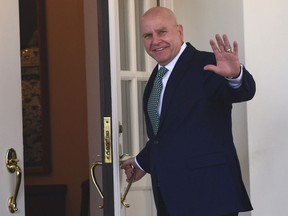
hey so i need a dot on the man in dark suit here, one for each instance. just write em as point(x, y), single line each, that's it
point(190, 153)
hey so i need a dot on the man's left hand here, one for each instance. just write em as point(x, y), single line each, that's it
point(227, 60)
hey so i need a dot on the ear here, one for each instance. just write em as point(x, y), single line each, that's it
point(180, 30)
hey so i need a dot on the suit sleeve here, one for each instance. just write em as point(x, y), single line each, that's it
point(246, 91)
point(143, 157)
point(219, 88)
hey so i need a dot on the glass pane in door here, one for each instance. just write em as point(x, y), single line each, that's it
point(133, 78)
point(126, 117)
point(142, 125)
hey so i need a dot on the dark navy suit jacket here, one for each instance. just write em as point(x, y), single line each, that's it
point(192, 159)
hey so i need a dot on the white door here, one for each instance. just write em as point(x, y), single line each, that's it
point(10, 108)
point(130, 70)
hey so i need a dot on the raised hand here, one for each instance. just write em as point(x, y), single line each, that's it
point(227, 60)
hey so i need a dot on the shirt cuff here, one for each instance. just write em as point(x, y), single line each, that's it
point(138, 164)
point(236, 82)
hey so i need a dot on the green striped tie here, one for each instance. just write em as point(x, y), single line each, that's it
point(154, 99)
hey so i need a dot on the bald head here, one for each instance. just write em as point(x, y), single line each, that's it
point(160, 12)
point(161, 33)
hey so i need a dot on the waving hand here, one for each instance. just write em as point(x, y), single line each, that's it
point(227, 60)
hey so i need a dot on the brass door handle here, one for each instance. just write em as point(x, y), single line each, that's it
point(12, 166)
point(123, 198)
point(93, 177)
point(92, 174)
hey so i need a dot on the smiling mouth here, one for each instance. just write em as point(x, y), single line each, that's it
point(159, 49)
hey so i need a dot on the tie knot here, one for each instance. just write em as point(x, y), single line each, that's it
point(161, 72)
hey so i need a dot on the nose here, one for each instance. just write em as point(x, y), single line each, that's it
point(156, 39)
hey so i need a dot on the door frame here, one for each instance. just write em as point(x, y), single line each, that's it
point(105, 104)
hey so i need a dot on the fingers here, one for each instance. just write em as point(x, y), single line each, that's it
point(211, 68)
point(129, 173)
point(220, 43)
point(129, 168)
point(227, 60)
point(132, 171)
point(235, 47)
point(226, 44)
point(136, 175)
point(214, 47)
point(223, 44)
point(127, 163)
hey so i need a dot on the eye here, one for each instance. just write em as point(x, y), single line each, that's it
point(162, 32)
point(147, 36)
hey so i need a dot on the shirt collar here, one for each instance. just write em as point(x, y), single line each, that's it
point(171, 65)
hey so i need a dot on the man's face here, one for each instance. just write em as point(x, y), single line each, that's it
point(162, 37)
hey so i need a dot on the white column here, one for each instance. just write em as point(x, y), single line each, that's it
point(266, 52)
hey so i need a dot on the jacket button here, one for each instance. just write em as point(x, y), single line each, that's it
point(156, 142)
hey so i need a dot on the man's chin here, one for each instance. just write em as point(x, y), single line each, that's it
point(160, 60)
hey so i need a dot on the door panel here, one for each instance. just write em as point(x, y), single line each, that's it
point(133, 74)
point(10, 106)
point(124, 69)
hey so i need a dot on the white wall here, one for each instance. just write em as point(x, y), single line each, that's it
point(202, 19)
point(266, 48)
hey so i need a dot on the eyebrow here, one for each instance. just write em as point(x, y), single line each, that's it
point(157, 30)
point(162, 29)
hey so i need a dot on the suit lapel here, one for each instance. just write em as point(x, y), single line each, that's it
point(175, 78)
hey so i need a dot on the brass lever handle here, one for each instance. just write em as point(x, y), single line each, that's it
point(123, 198)
point(12, 166)
point(93, 177)
point(92, 173)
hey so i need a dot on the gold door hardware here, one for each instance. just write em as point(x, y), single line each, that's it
point(123, 198)
point(94, 180)
point(12, 166)
point(107, 140)
point(92, 174)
